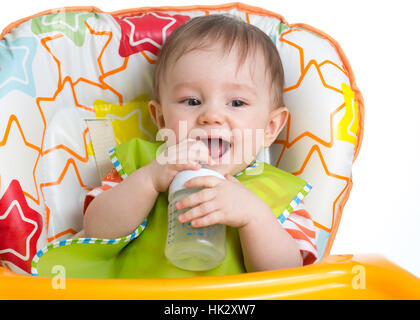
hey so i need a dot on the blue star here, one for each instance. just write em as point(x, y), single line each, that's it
point(16, 59)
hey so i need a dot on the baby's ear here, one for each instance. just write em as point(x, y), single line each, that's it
point(155, 111)
point(276, 121)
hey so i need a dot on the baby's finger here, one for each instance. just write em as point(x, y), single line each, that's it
point(212, 218)
point(203, 182)
point(199, 211)
point(197, 198)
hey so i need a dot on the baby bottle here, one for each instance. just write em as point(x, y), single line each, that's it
point(190, 248)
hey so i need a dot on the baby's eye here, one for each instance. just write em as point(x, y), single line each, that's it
point(192, 102)
point(236, 103)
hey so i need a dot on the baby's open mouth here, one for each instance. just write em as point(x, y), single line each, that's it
point(217, 147)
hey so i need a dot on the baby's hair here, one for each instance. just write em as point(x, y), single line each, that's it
point(228, 31)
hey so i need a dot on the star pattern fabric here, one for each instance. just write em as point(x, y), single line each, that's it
point(130, 120)
point(20, 228)
point(39, 69)
point(71, 24)
point(147, 32)
point(16, 59)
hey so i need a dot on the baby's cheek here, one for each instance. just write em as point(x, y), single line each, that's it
point(172, 133)
point(253, 141)
point(183, 129)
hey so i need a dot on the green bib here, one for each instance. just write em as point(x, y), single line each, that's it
point(141, 254)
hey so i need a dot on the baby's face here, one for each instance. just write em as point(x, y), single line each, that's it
point(205, 96)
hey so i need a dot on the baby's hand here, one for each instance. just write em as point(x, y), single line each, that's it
point(187, 155)
point(221, 202)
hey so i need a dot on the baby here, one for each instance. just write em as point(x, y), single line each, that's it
point(218, 88)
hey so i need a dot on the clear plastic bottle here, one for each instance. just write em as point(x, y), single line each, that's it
point(189, 248)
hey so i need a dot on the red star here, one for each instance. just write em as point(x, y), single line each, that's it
point(20, 228)
point(147, 32)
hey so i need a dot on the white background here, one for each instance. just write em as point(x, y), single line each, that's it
point(382, 42)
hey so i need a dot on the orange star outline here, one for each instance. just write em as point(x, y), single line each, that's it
point(3, 142)
point(85, 158)
point(315, 148)
point(60, 85)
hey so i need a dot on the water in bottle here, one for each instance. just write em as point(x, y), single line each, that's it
point(189, 248)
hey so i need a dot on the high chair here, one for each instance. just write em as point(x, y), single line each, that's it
point(76, 81)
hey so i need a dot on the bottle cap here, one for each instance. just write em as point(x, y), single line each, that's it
point(184, 176)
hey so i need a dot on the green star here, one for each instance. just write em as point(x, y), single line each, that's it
point(71, 24)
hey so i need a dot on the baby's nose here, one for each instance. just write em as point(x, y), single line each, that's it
point(211, 116)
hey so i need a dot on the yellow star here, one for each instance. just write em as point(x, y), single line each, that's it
point(129, 120)
point(348, 126)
